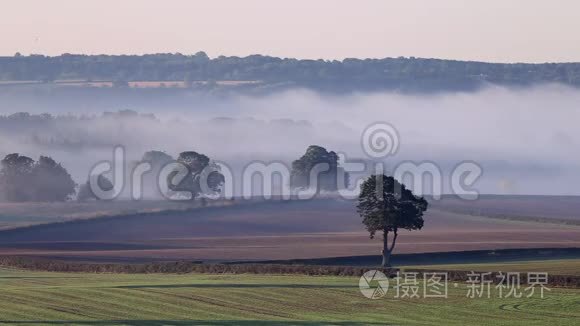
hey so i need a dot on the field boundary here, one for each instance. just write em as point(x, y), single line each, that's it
point(443, 258)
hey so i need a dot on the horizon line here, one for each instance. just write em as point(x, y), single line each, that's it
point(3, 56)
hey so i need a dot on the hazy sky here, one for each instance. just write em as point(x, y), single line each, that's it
point(490, 30)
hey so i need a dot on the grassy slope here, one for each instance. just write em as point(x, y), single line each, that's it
point(559, 267)
point(98, 299)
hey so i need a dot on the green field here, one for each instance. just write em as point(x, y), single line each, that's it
point(156, 299)
point(556, 267)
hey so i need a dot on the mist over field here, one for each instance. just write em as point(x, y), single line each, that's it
point(525, 139)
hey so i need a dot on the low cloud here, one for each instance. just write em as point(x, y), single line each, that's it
point(525, 139)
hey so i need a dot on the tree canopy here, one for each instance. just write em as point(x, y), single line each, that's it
point(388, 206)
point(200, 170)
point(318, 157)
point(22, 179)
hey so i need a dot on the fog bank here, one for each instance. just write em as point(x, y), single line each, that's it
point(526, 140)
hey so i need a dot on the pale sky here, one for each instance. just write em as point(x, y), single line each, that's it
point(487, 30)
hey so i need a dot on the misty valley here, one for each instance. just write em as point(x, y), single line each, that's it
point(291, 163)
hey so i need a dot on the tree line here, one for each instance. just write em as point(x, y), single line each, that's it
point(22, 179)
point(349, 74)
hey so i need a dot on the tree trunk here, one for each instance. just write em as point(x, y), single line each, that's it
point(386, 252)
point(386, 258)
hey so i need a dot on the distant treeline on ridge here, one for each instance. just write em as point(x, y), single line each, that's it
point(406, 74)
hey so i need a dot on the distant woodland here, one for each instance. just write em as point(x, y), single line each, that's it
point(258, 71)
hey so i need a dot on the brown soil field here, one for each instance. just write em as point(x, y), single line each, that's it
point(268, 230)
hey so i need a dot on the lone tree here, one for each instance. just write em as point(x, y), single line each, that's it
point(328, 176)
point(158, 161)
point(200, 169)
point(387, 206)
